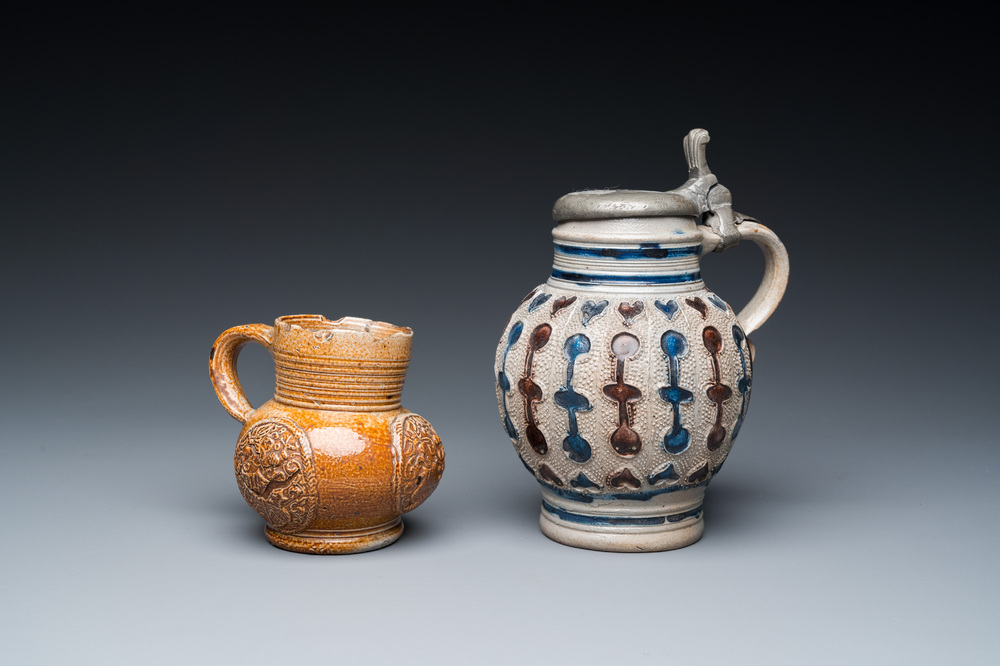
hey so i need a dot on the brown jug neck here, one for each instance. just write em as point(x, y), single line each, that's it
point(350, 364)
point(338, 384)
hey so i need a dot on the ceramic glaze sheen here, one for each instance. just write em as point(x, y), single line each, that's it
point(624, 381)
point(333, 460)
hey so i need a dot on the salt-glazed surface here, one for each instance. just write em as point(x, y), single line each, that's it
point(624, 381)
point(333, 460)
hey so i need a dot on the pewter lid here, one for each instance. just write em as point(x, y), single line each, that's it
point(702, 195)
point(614, 204)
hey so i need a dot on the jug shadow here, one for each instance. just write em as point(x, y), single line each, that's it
point(516, 509)
point(417, 532)
point(239, 525)
point(739, 508)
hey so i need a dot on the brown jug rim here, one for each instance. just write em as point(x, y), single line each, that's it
point(379, 330)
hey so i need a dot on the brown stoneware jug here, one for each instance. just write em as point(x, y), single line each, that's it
point(333, 460)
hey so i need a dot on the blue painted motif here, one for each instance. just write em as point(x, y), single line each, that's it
point(669, 308)
point(582, 278)
point(635, 495)
point(581, 481)
point(584, 519)
point(644, 251)
point(504, 383)
point(675, 346)
point(575, 446)
point(678, 517)
point(571, 517)
point(745, 382)
point(665, 473)
point(717, 302)
point(590, 309)
point(538, 301)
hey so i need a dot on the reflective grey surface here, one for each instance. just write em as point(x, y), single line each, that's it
point(160, 188)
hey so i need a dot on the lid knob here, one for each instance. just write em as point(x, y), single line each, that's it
point(694, 152)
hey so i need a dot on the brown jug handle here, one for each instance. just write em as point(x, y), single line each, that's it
point(222, 366)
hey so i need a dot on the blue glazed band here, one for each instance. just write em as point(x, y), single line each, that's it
point(571, 517)
point(652, 251)
point(584, 278)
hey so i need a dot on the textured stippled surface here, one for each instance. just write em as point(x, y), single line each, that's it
point(649, 415)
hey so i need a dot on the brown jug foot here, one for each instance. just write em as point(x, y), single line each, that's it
point(337, 542)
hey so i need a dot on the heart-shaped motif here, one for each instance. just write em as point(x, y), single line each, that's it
point(698, 305)
point(630, 311)
point(590, 309)
point(717, 302)
point(624, 478)
point(665, 473)
point(669, 308)
point(538, 301)
point(562, 302)
point(699, 475)
point(581, 481)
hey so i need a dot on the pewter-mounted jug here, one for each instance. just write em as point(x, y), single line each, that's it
point(624, 380)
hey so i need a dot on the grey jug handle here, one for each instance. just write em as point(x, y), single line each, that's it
point(772, 286)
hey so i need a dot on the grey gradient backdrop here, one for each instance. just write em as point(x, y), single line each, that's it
point(164, 177)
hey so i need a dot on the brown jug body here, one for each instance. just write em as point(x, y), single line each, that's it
point(333, 460)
